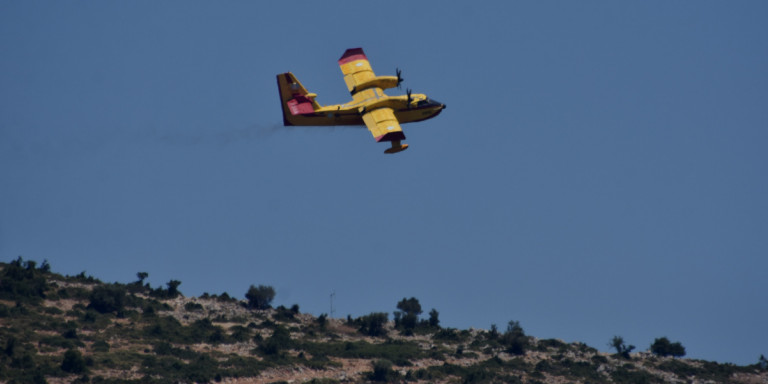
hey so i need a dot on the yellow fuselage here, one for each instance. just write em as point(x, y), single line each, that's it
point(420, 108)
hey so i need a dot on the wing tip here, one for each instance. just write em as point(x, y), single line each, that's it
point(352, 54)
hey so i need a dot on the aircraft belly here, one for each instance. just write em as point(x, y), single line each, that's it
point(325, 119)
point(414, 115)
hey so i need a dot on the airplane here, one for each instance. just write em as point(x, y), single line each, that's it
point(382, 114)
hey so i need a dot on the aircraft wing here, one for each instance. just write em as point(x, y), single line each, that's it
point(383, 125)
point(356, 68)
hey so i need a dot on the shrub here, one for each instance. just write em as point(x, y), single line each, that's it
point(663, 347)
point(515, 339)
point(260, 297)
point(382, 371)
point(73, 362)
point(279, 341)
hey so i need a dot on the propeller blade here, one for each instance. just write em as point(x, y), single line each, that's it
point(408, 92)
point(399, 78)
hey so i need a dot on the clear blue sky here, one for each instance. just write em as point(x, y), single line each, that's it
point(601, 168)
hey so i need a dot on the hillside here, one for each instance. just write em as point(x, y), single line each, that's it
point(65, 329)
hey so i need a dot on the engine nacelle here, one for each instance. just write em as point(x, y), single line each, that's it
point(383, 82)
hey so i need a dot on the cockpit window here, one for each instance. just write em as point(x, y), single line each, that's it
point(427, 102)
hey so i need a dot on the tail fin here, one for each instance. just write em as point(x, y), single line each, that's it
point(294, 98)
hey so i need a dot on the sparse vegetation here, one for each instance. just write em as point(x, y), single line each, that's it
point(56, 329)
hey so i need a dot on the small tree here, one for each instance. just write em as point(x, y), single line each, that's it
point(493, 334)
point(322, 320)
point(515, 339)
point(663, 347)
point(260, 297)
point(173, 288)
point(434, 321)
point(141, 276)
point(622, 349)
point(408, 316)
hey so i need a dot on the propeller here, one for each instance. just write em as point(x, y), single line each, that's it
point(399, 78)
point(408, 102)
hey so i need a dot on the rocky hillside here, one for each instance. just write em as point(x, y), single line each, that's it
point(64, 329)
